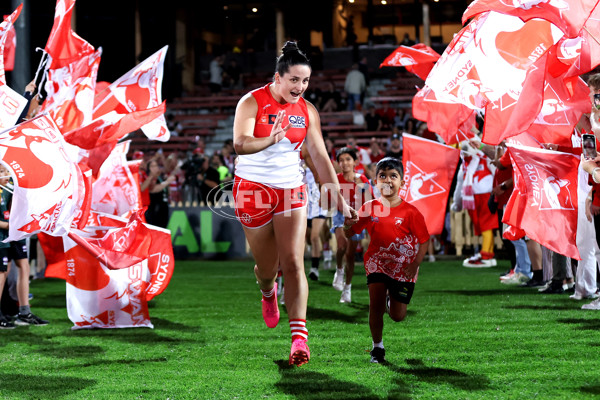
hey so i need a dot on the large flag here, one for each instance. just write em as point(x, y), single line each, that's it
point(70, 92)
point(548, 211)
point(49, 186)
point(492, 45)
point(11, 103)
point(64, 46)
point(8, 43)
point(111, 127)
point(428, 171)
point(418, 59)
point(137, 90)
point(116, 191)
point(447, 119)
point(569, 15)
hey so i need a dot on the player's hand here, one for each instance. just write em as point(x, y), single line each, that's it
point(350, 214)
point(278, 131)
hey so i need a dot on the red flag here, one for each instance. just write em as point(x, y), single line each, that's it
point(446, 119)
point(569, 16)
point(64, 46)
point(48, 186)
point(418, 59)
point(428, 171)
point(116, 189)
point(70, 92)
point(111, 127)
point(137, 90)
point(550, 181)
point(10, 42)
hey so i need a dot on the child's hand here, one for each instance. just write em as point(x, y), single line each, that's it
point(411, 270)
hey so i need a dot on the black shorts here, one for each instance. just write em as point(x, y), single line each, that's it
point(309, 221)
point(17, 250)
point(4, 259)
point(399, 291)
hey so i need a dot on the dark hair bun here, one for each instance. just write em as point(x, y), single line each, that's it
point(289, 47)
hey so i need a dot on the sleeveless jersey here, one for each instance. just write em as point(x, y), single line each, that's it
point(277, 165)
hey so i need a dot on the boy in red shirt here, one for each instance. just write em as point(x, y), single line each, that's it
point(398, 245)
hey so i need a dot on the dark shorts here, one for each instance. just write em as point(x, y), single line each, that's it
point(17, 250)
point(309, 221)
point(4, 259)
point(399, 291)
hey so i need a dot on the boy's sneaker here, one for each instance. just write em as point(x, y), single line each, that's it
point(346, 296)
point(5, 323)
point(517, 278)
point(594, 305)
point(327, 256)
point(270, 310)
point(30, 319)
point(338, 279)
point(431, 258)
point(378, 355)
point(314, 274)
point(300, 353)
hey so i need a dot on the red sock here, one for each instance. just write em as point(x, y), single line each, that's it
point(298, 328)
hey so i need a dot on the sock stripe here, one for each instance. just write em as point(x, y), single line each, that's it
point(298, 329)
point(268, 293)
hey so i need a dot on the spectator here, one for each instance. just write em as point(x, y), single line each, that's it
point(407, 41)
point(387, 115)
point(400, 119)
point(216, 75)
point(209, 179)
point(173, 168)
point(158, 187)
point(331, 100)
point(375, 151)
point(395, 149)
point(373, 121)
point(354, 86)
point(233, 75)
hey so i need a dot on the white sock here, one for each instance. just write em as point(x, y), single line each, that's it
point(380, 344)
point(268, 293)
point(348, 287)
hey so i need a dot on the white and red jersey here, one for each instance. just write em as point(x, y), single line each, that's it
point(483, 174)
point(396, 234)
point(277, 165)
point(353, 197)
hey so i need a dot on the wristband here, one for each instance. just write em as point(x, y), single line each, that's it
point(481, 146)
point(593, 177)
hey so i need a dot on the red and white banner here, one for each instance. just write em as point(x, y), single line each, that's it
point(116, 191)
point(547, 202)
point(137, 90)
point(49, 187)
point(64, 46)
point(449, 120)
point(467, 73)
point(428, 171)
point(8, 42)
point(570, 16)
point(70, 92)
point(11, 107)
point(418, 59)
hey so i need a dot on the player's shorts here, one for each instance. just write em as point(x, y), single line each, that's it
point(338, 222)
point(17, 250)
point(256, 203)
point(4, 259)
point(400, 291)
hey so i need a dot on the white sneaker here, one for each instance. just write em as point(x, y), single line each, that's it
point(594, 305)
point(515, 279)
point(579, 296)
point(431, 258)
point(338, 279)
point(478, 262)
point(346, 296)
point(313, 274)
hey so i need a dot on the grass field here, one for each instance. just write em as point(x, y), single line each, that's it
point(466, 337)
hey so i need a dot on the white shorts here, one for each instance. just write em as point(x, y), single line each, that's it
point(314, 209)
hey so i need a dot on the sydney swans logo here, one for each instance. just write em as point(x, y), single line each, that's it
point(548, 191)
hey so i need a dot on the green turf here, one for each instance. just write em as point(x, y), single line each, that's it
point(466, 337)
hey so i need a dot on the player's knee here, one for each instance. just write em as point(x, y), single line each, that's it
point(398, 316)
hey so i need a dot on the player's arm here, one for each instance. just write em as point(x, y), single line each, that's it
point(244, 141)
point(4, 225)
point(310, 164)
point(318, 153)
